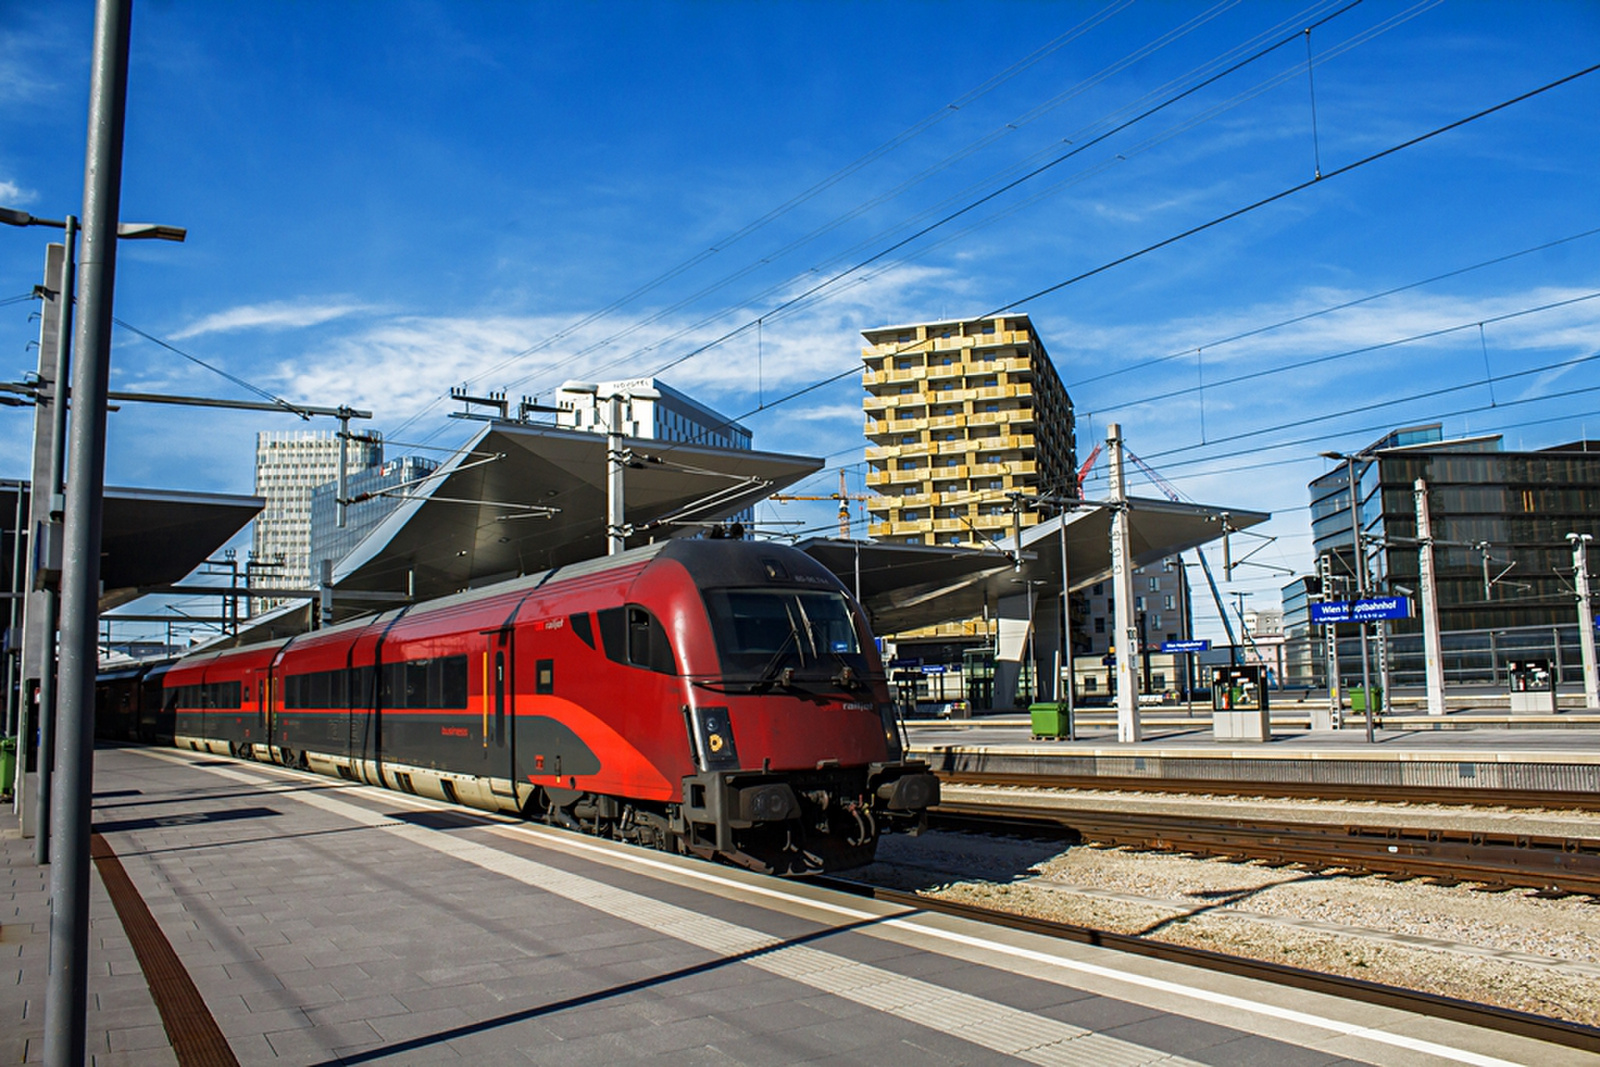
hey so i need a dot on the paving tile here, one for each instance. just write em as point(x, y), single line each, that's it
point(145, 1057)
point(469, 996)
point(420, 1024)
point(318, 1042)
point(135, 1038)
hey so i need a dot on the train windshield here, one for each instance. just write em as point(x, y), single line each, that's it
point(762, 632)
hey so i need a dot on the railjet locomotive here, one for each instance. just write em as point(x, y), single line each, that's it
point(722, 698)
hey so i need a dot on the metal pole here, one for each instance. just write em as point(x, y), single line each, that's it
point(1359, 559)
point(66, 991)
point(1127, 635)
point(1559, 671)
point(616, 541)
point(1432, 643)
point(12, 649)
point(342, 489)
point(1070, 692)
point(1580, 579)
point(1033, 651)
point(49, 714)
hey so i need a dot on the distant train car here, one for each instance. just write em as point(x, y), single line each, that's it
point(722, 698)
point(130, 704)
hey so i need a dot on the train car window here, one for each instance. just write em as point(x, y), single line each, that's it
point(394, 685)
point(647, 642)
point(221, 695)
point(416, 685)
point(580, 626)
point(768, 630)
point(362, 685)
point(544, 676)
point(453, 681)
point(613, 633)
point(319, 690)
point(424, 683)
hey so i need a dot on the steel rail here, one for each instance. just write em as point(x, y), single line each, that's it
point(1504, 1020)
point(1550, 864)
point(1396, 794)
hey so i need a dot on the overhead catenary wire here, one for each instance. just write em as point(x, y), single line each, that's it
point(1295, 320)
point(1189, 232)
point(1380, 427)
point(271, 398)
point(1318, 12)
point(809, 292)
point(1283, 368)
point(921, 126)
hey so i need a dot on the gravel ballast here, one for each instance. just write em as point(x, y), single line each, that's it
point(1514, 948)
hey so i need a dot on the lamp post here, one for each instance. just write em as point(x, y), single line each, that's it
point(56, 500)
point(1580, 580)
point(1359, 564)
point(1066, 631)
point(1029, 585)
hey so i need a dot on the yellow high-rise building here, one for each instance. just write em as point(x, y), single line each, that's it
point(959, 414)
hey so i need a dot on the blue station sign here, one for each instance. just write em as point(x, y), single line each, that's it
point(1203, 645)
point(1373, 610)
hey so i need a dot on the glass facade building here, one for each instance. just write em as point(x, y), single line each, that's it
point(289, 466)
point(331, 541)
point(1500, 524)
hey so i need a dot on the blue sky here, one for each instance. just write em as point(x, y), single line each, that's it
point(388, 199)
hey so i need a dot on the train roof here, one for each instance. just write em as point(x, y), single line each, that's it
point(711, 562)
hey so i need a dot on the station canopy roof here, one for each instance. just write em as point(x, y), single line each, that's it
point(482, 516)
point(151, 538)
point(904, 587)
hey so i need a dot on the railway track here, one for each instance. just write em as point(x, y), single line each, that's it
point(1464, 796)
point(1556, 1031)
point(1501, 860)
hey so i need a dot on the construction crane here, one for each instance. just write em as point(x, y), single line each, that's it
point(1088, 465)
point(841, 496)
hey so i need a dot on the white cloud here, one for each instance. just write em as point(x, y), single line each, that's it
point(14, 195)
point(279, 315)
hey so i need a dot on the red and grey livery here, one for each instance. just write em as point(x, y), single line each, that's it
point(723, 698)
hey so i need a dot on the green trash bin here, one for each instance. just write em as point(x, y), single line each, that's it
point(1050, 721)
point(8, 763)
point(1358, 698)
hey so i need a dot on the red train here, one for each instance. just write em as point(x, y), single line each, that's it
point(722, 698)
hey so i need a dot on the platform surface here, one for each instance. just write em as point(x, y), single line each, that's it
point(326, 922)
point(1483, 734)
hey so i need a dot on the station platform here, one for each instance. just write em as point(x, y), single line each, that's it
point(1469, 749)
point(323, 922)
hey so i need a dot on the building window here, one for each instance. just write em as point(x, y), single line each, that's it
point(1100, 624)
point(1168, 602)
point(1155, 584)
point(1099, 588)
point(1138, 603)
